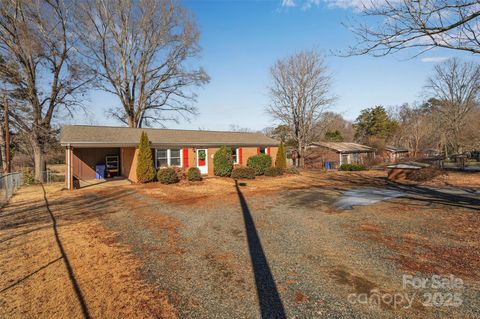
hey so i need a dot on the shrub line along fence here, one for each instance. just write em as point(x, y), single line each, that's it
point(9, 183)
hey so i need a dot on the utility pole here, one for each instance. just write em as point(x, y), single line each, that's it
point(7, 137)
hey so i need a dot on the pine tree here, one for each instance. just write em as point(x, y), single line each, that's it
point(145, 167)
point(281, 159)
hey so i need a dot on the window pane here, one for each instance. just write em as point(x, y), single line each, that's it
point(175, 153)
point(162, 162)
point(234, 155)
point(263, 150)
point(175, 161)
point(161, 153)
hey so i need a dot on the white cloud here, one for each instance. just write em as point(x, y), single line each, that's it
point(435, 59)
point(288, 3)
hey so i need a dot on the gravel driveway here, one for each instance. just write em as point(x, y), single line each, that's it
point(293, 254)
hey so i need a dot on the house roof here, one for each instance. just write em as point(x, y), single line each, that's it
point(344, 147)
point(396, 149)
point(108, 136)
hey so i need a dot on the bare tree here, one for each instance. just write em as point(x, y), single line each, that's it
point(454, 88)
point(38, 67)
point(415, 129)
point(140, 51)
point(393, 25)
point(300, 94)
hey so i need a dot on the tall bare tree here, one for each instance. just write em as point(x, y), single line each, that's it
point(300, 95)
point(393, 25)
point(141, 51)
point(38, 67)
point(455, 91)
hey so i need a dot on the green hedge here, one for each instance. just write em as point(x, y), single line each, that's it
point(223, 162)
point(259, 163)
point(167, 175)
point(243, 172)
point(352, 167)
point(193, 174)
point(274, 171)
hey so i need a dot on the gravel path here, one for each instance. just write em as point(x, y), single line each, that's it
point(292, 254)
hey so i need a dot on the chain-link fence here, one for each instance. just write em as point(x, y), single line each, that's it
point(9, 183)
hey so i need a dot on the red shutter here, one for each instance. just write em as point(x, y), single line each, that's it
point(185, 157)
point(240, 156)
point(268, 150)
point(258, 150)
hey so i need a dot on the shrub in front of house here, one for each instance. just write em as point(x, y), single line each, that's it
point(259, 163)
point(281, 158)
point(193, 174)
point(180, 171)
point(274, 171)
point(352, 167)
point(243, 173)
point(223, 162)
point(167, 176)
point(145, 168)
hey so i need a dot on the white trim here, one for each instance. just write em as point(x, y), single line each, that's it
point(206, 160)
point(237, 155)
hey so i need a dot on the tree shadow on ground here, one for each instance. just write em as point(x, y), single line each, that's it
point(268, 297)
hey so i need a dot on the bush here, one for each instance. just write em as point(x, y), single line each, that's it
point(223, 162)
point(180, 171)
point(243, 172)
point(259, 163)
point(352, 167)
point(292, 170)
point(167, 175)
point(145, 168)
point(281, 159)
point(274, 171)
point(29, 177)
point(193, 174)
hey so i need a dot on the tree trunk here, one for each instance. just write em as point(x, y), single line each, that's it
point(39, 160)
point(3, 154)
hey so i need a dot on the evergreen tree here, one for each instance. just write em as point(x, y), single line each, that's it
point(281, 159)
point(223, 162)
point(145, 167)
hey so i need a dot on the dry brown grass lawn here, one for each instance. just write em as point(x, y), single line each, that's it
point(34, 278)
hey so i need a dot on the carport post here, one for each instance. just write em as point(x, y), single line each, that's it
point(69, 168)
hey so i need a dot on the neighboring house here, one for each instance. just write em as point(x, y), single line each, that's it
point(116, 147)
point(337, 153)
point(395, 153)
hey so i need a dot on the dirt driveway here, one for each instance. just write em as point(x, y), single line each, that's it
point(266, 248)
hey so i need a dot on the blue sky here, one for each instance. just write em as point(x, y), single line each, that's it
point(242, 39)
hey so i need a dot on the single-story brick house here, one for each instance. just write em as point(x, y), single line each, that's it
point(337, 153)
point(116, 147)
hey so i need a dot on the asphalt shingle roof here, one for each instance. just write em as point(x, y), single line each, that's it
point(344, 147)
point(84, 135)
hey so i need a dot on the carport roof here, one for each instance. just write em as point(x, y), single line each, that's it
point(108, 136)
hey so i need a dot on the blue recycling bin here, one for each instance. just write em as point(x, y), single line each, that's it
point(100, 170)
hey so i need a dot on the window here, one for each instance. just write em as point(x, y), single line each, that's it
point(355, 158)
point(263, 150)
point(169, 157)
point(162, 158)
point(235, 155)
point(175, 157)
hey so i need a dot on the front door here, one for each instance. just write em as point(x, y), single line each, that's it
point(202, 160)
